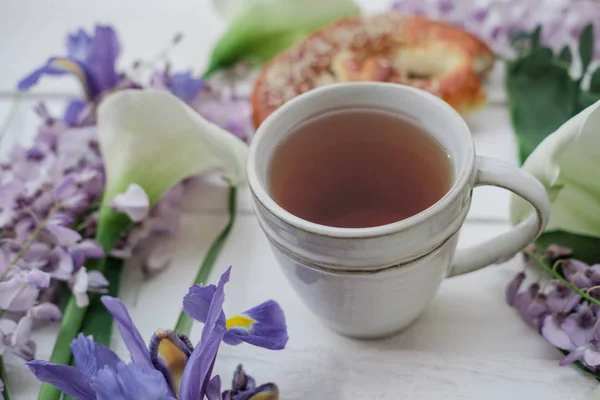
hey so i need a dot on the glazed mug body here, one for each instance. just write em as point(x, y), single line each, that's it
point(372, 282)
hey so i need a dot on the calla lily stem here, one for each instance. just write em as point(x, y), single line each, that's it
point(184, 322)
point(61, 354)
point(3, 376)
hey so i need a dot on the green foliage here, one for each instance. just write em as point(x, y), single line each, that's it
point(542, 96)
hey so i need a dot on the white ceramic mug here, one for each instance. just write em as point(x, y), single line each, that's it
point(372, 282)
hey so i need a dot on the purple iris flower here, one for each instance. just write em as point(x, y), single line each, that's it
point(263, 325)
point(181, 84)
point(90, 58)
point(171, 368)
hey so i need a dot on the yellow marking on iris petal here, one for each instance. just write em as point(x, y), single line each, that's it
point(73, 67)
point(240, 321)
point(265, 396)
point(175, 361)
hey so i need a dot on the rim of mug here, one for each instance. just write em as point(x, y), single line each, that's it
point(260, 193)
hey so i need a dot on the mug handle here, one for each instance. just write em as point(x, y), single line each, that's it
point(498, 173)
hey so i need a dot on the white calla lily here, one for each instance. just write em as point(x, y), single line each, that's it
point(260, 29)
point(567, 164)
point(153, 139)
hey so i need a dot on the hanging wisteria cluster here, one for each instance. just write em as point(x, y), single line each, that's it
point(51, 188)
point(566, 310)
point(496, 21)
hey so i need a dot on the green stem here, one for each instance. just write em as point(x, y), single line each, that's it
point(4, 377)
point(555, 274)
point(98, 322)
point(61, 354)
point(184, 322)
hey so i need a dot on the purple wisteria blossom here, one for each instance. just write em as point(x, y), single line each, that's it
point(566, 313)
point(50, 188)
point(170, 368)
point(496, 21)
point(44, 189)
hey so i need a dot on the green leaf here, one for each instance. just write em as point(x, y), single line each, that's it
point(184, 322)
point(521, 42)
point(586, 99)
point(585, 248)
point(595, 82)
point(566, 55)
point(535, 37)
point(542, 96)
point(586, 46)
point(261, 29)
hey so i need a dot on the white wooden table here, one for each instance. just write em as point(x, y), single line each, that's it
point(468, 345)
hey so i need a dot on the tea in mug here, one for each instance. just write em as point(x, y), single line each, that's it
point(359, 168)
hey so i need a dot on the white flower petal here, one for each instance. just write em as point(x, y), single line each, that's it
point(134, 202)
point(80, 288)
point(154, 139)
point(567, 164)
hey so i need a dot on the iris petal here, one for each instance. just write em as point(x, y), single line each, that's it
point(169, 354)
point(185, 86)
point(102, 57)
point(62, 66)
point(213, 389)
point(197, 302)
point(66, 378)
point(130, 334)
point(91, 356)
point(129, 382)
point(263, 326)
point(197, 374)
